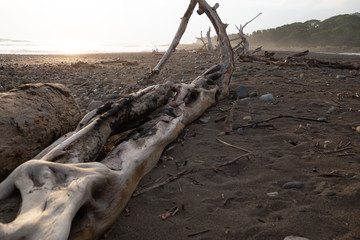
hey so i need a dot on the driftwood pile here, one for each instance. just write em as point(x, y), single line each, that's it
point(297, 59)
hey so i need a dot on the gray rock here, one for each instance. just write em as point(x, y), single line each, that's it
point(205, 119)
point(253, 94)
point(295, 184)
point(273, 194)
point(295, 238)
point(241, 92)
point(94, 104)
point(240, 131)
point(321, 119)
point(112, 96)
point(302, 209)
point(331, 110)
point(330, 194)
point(80, 91)
point(341, 77)
point(267, 97)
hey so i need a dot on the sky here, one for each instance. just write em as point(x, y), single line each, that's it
point(149, 21)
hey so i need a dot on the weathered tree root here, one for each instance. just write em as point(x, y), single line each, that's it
point(68, 198)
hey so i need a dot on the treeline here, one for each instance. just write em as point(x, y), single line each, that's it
point(341, 32)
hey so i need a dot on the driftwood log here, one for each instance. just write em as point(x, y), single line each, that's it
point(242, 48)
point(297, 59)
point(69, 192)
point(32, 117)
point(210, 45)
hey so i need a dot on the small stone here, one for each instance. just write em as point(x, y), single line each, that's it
point(302, 209)
point(204, 119)
point(330, 194)
point(247, 118)
point(94, 104)
point(357, 129)
point(267, 97)
point(241, 92)
point(293, 108)
point(253, 94)
point(112, 96)
point(80, 91)
point(292, 79)
point(295, 238)
point(321, 119)
point(273, 194)
point(295, 184)
point(341, 77)
point(331, 110)
point(240, 131)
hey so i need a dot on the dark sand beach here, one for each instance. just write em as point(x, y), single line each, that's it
point(313, 142)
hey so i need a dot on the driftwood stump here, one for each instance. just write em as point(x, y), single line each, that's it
point(32, 117)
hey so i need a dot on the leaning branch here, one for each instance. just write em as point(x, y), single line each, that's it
point(183, 24)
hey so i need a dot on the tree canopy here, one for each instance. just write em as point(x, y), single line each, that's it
point(340, 32)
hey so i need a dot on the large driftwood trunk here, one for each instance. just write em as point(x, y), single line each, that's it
point(65, 198)
point(32, 117)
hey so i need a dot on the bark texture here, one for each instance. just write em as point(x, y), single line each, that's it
point(32, 117)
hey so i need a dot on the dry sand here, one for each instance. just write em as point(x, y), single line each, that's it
point(232, 201)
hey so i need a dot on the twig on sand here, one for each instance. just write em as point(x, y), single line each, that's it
point(278, 117)
point(230, 145)
point(234, 160)
point(170, 179)
point(336, 151)
point(198, 233)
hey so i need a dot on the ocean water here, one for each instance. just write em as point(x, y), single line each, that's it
point(30, 47)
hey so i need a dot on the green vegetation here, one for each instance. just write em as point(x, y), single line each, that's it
point(341, 32)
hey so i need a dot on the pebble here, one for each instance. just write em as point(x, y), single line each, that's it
point(341, 77)
point(357, 129)
point(330, 194)
point(267, 97)
point(273, 194)
point(292, 79)
point(241, 92)
point(295, 238)
point(94, 104)
point(331, 110)
point(302, 209)
point(204, 119)
point(112, 96)
point(247, 118)
point(293, 108)
point(240, 131)
point(253, 94)
point(80, 91)
point(295, 184)
point(321, 119)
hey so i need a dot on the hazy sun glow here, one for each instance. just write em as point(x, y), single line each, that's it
point(70, 47)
